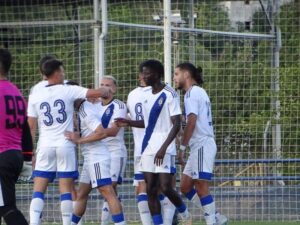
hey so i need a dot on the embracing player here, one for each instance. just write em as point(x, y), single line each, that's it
point(52, 108)
point(109, 109)
point(199, 136)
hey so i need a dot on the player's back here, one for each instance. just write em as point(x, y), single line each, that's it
point(53, 106)
point(12, 116)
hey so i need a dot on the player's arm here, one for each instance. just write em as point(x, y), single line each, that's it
point(32, 123)
point(97, 135)
point(102, 92)
point(122, 122)
point(189, 129)
point(27, 143)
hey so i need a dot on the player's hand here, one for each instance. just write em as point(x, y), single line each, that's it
point(72, 136)
point(26, 172)
point(105, 92)
point(181, 159)
point(122, 122)
point(159, 157)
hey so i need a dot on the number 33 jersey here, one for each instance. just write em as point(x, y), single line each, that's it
point(12, 116)
point(53, 106)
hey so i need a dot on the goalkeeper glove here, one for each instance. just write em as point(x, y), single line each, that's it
point(26, 172)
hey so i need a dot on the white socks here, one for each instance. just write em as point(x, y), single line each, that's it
point(36, 208)
point(66, 207)
point(209, 209)
point(142, 202)
point(105, 215)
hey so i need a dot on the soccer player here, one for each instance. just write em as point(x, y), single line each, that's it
point(161, 112)
point(52, 107)
point(109, 109)
point(14, 136)
point(135, 109)
point(96, 167)
point(199, 136)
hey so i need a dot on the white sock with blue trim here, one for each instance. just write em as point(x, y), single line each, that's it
point(119, 219)
point(36, 207)
point(209, 209)
point(105, 214)
point(169, 211)
point(66, 207)
point(142, 201)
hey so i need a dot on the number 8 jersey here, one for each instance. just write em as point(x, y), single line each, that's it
point(53, 106)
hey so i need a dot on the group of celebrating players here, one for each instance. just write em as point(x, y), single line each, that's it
point(66, 114)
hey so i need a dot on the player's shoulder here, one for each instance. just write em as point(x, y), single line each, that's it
point(86, 108)
point(170, 91)
point(119, 104)
point(195, 91)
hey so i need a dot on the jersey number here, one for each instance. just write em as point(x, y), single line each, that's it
point(47, 112)
point(138, 111)
point(15, 109)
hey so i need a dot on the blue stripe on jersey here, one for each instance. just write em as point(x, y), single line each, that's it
point(107, 115)
point(153, 117)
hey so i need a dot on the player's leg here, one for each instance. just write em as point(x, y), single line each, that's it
point(66, 172)
point(10, 167)
point(44, 172)
point(152, 187)
point(141, 193)
point(81, 202)
point(114, 204)
point(166, 179)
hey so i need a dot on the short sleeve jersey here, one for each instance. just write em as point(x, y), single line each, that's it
point(89, 121)
point(108, 113)
point(12, 116)
point(135, 109)
point(158, 109)
point(196, 101)
point(53, 106)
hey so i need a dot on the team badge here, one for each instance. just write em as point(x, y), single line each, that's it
point(160, 101)
point(107, 112)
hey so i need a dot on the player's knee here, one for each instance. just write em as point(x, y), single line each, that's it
point(184, 188)
point(166, 189)
point(12, 216)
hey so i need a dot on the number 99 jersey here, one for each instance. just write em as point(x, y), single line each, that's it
point(53, 106)
point(135, 109)
point(12, 116)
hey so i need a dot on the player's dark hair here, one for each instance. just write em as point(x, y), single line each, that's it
point(44, 59)
point(154, 65)
point(50, 66)
point(5, 60)
point(196, 73)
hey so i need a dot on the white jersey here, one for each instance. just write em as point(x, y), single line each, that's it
point(89, 121)
point(41, 84)
point(135, 109)
point(196, 101)
point(53, 106)
point(109, 112)
point(158, 109)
